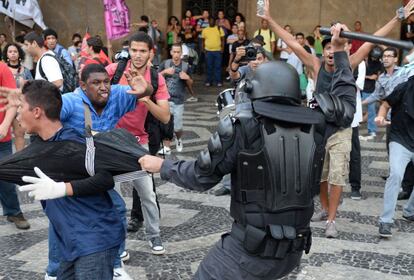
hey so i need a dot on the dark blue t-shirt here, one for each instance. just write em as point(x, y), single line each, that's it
point(83, 225)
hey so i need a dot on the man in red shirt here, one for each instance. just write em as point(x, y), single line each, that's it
point(8, 195)
point(140, 48)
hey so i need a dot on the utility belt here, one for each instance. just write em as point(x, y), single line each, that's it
point(274, 242)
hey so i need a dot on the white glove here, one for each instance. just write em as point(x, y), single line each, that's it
point(42, 187)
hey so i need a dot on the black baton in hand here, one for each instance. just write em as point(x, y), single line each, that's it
point(370, 38)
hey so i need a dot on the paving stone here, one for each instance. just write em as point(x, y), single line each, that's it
point(192, 222)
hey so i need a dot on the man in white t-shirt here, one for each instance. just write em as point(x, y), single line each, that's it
point(50, 66)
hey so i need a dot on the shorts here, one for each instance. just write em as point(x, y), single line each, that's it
point(177, 110)
point(336, 163)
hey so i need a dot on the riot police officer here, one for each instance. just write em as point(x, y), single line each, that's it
point(275, 157)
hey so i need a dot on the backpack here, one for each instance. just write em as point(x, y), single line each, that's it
point(70, 78)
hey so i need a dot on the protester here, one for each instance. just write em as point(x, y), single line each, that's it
point(213, 46)
point(339, 145)
point(268, 36)
point(140, 46)
point(51, 42)
point(176, 76)
point(8, 195)
point(83, 251)
point(14, 55)
point(47, 67)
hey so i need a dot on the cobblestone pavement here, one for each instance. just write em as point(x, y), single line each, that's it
point(192, 222)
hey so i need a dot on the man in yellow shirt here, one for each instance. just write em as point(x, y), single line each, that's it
point(213, 46)
point(268, 36)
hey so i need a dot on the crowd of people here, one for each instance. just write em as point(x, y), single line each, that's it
point(62, 93)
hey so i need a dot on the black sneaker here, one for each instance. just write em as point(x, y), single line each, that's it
point(222, 191)
point(409, 218)
point(156, 246)
point(134, 225)
point(403, 195)
point(356, 195)
point(385, 230)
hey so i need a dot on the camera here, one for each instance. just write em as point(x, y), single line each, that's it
point(251, 53)
point(122, 55)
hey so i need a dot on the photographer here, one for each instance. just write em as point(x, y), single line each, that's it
point(254, 55)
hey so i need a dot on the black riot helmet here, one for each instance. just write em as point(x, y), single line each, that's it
point(277, 81)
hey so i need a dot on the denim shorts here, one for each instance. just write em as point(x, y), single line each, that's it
point(177, 110)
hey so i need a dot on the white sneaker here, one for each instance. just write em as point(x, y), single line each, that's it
point(124, 256)
point(192, 99)
point(164, 151)
point(47, 277)
point(179, 145)
point(121, 274)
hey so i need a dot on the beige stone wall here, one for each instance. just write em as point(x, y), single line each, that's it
point(304, 15)
point(72, 16)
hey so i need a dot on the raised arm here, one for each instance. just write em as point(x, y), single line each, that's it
point(311, 62)
point(364, 50)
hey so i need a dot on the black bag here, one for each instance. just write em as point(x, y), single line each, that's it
point(117, 151)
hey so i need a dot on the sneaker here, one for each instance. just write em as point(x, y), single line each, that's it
point(330, 230)
point(179, 145)
point(164, 151)
point(356, 195)
point(47, 277)
point(219, 84)
point(320, 216)
point(385, 230)
point(403, 195)
point(19, 221)
point(124, 256)
point(192, 99)
point(207, 84)
point(409, 218)
point(134, 225)
point(222, 191)
point(121, 274)
point(156, 246)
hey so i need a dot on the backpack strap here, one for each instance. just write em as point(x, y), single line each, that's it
point(41, 72)
point(88, 119)
point(154, 82)
point(59, 53)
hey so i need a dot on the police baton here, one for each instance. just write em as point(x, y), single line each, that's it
point(370, 38)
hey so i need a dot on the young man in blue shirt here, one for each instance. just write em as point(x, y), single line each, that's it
point(88, 230)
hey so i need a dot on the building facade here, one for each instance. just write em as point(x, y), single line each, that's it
point(68, 17)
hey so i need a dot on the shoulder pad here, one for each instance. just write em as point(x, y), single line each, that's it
point(225, 128)
point(204, 160)
point(326, 105)
point(214, 144)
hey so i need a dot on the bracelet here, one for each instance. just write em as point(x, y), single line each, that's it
point(236, 61)
point(232, 70)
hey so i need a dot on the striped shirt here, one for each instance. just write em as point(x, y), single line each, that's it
point(73, 113)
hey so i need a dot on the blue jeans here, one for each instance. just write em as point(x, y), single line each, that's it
point(8, 194)
point(213, 61)
point(97, 266)
point(119, 203)
point(399, 158)
point(372, 127)
point(54, 254)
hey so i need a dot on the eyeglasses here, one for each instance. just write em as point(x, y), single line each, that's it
point(388, 56)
